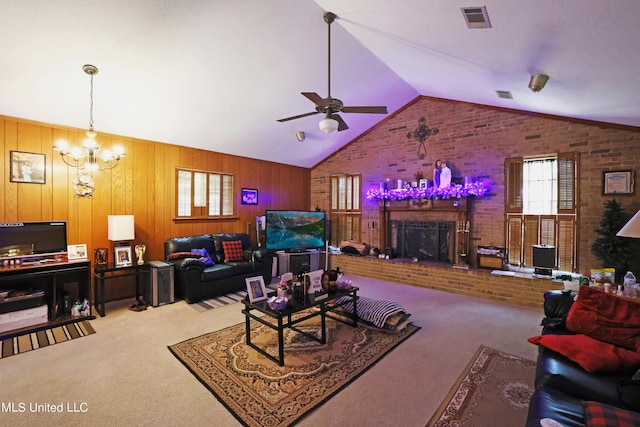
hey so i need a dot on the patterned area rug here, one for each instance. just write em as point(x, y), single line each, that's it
point(44, 338)
point(494, 389)
point(261, 393)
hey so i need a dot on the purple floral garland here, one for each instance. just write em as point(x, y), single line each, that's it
point(475, 189)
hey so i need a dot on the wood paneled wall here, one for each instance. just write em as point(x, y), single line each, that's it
point(143, 185)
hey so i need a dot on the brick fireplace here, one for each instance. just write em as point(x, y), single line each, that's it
point(430, 230)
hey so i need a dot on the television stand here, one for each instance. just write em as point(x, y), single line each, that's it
point(53, 279)
point(298, 262)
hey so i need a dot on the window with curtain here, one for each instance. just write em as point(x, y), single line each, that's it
point(346, 211)
point(202, 194)
point(541, 208)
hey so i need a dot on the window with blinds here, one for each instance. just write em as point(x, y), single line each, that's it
point(345, 213)
point(202, 194)
point(541, 206)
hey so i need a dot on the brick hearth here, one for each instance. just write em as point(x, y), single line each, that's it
point(473, 282)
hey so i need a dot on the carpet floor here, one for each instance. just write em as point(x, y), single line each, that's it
point(35, 340)
point(258, 391)
point(494, 389)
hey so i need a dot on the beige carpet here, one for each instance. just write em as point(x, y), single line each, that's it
point(261, 393)
point(35, 340)
point(126, 375)
point(494, 389)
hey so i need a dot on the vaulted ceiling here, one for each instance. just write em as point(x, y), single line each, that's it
point(218, 74)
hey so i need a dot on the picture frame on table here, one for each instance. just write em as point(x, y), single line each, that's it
point(75, 252)
point(256, 289)
point(249, 196)
point(101, 256)
point(27, 168)
point(123, 256)
point(314, 280)
point(618, 182)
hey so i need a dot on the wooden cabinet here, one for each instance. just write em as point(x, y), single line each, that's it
point(54, 279)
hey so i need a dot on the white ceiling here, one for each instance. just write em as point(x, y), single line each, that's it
point(218, 74)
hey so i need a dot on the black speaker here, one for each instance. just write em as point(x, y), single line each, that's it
point(299, 263)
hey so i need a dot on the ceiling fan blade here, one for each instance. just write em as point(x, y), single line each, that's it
point(341, 124)
point(370, 110)
point(316, 99)
point(298, 116)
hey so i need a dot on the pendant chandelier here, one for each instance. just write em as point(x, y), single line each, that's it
point(90, 156)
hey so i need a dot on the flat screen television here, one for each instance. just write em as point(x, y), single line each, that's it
point(294, 230)
point(25, 239)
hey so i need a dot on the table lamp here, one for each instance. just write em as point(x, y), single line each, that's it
point(631, 228)
point(121, 230)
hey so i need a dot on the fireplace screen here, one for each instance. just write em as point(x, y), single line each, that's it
point(426, 241)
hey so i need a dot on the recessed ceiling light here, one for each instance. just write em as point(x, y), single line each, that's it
point(476, 17)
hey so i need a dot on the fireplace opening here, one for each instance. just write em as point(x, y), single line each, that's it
point(424, 240)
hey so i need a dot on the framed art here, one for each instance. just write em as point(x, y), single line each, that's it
point(77, 252)
point(249, 196)
point(27, 167)
point(617, 182)
point(123, 256)
point(101, 256)
point(313, 280)
point(256, 289)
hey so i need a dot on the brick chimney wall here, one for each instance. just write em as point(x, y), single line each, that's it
point(474, 141)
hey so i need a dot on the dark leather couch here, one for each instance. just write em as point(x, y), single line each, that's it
point(561, 384)
point(194, 281)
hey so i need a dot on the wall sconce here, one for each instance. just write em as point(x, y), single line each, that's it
point(537, 82)
point(300, 136)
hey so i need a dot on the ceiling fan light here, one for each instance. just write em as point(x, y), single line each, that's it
point(328, 125)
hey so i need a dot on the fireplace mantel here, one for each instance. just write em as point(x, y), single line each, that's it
point(438, 205)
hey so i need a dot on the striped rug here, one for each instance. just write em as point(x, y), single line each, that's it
point(220, 301)
point(223, 300)
point(45, 338)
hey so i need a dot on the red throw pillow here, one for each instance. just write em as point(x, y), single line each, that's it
point(598, 414)
point(591, 354)
point(232, 250)
point(606, 317)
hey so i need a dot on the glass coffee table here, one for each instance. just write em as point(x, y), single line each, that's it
point(279, 320)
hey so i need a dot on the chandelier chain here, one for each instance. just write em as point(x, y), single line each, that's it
point(91, 102)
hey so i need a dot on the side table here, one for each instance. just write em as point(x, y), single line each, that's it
point(104, 272)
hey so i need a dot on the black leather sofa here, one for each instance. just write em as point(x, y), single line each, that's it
point(561, 384)
point(194, 281)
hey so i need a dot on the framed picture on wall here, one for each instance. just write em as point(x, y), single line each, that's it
point(249, 196)
point(617, 182)
point(27, 167)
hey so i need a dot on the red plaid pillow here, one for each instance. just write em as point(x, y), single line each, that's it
point(598, 414)
point(232, 250)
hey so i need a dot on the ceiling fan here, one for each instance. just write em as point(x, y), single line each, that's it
point(331, 106)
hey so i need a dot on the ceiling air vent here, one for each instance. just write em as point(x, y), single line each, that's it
point(476, 17)
point(504, 94)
